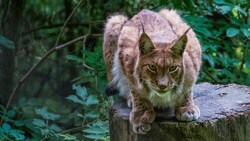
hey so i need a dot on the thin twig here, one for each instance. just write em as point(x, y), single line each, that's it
point(83, 48)
point(20, 82)
point(57, 25)
point(88, 67)
point(65, 23)
point(74, 130)
point(77, 129)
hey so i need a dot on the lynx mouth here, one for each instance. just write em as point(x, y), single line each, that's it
point(163, 92)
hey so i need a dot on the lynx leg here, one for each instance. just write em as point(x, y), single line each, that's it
point(187, 111)
point(142, 115)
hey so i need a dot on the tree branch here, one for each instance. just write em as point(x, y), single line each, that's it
point(67, 20)
point(20, 82)
point(57, 25)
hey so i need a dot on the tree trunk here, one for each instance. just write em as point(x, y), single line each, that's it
point(225, 116)
point(11, 11)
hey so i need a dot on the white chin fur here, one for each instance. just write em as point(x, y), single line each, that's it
point(161, 100)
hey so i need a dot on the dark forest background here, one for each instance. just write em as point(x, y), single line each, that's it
point(52, 74)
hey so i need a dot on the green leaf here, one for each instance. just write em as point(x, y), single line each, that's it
point(91, 100)
point(225, 9)
point(95, 136)
point(219, 1)
point(231, 32)
point(4, 136)
point(17, 134)
point(101, 123)
point(68, 137)
point(44, 131)
point(6, 42)
point(80, 91)
point(242, 11)
point(210, 59)
point(75, 99)
point(197, 20)
point(92, 114)
point(74, 58)
point(39, 122)
point(3, 110)
point(41, 111)
point(45, 114)
point(246, 32)
point(94, 130)
point(189, 4)
point(203, 30)
point(6, 127)
point(97, 130)
point(55, 127)
point(19, 123)
point(11, 113)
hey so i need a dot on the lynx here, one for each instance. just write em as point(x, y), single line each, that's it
point(153, 59)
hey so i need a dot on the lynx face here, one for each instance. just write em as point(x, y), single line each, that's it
point(161, 68)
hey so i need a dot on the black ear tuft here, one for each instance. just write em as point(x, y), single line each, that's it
point(111, 90)
point(145, 43)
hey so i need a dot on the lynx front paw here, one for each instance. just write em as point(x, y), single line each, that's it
point(141, 120)
point(187, 113)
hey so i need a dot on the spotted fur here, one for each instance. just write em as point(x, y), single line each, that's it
point(153, 59)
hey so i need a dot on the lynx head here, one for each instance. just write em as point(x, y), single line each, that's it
point(161, 68)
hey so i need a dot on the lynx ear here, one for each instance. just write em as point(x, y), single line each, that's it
point(145, 44)
point(179, 46)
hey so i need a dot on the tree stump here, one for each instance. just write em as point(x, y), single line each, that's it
point(225, 116)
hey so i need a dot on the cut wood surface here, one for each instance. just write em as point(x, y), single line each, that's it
point(225, 116)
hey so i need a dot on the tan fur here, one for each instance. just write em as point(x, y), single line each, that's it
point(112, 32)
point(153, 63)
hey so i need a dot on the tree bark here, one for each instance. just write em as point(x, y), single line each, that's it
point(11, 11)
point(225, 116)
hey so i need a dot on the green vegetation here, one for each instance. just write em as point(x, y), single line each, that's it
point(62, 99)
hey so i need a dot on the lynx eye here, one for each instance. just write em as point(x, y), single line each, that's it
point(172, 69)
point(152, 68)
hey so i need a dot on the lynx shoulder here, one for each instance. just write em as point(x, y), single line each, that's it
point(153, 59)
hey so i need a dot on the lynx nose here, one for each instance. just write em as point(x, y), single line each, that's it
point(163, 83)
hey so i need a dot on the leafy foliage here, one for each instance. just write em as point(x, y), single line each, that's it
point(223, 29)
point(10, 127)
point(50, 109)
point(88, 119)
